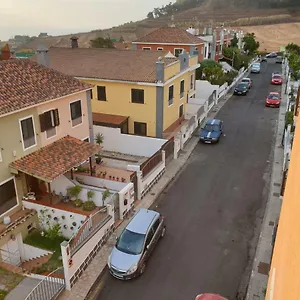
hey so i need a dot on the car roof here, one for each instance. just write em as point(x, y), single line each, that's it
point(246, 78)
point(142, 220)
point(210, 297)
point(213, 122)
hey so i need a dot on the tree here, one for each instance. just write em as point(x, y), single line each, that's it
point(251, 45)
point(234, 42)
point(293, 48)
point(150, 15)
point(294, 64)
point(100, 42)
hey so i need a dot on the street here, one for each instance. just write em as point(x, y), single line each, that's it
point(214, 208)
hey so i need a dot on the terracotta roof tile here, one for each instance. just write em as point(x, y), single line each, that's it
point(108, 119)
point(170, 35)
point(24, 83)
point(56, 159)
point(112, 64)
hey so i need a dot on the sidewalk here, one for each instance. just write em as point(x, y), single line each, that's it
point(260, 270)
point(93, 273)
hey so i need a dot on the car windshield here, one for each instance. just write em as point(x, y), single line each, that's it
point(256, 65)
point(131, 242)
point(242, 86)
point(277, 76)
point(273, 97)
point(246, 80)
point(211, 127)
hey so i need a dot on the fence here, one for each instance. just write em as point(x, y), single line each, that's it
point(168, 147)
point(87, 229)
point(151, 163)
point(50, 287)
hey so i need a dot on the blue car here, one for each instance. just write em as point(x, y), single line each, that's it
point(212, 131)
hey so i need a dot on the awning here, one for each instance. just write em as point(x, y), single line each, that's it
point(108, 120)
point(56, 159)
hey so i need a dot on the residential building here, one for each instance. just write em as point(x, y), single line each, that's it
point(43, 125)
point(141, 92)
point(284, 273)
point(172, 39)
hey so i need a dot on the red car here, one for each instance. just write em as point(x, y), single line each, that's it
point(273, 100)
point(276, 79)
point(210, 297)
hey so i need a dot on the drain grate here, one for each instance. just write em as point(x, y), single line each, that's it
point(263, 268)
point(277, 184)
point(276, 194)
point(271, 223)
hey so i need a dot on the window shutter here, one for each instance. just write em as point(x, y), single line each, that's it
point(42, 122)
point(56, 117)
point(48, 120)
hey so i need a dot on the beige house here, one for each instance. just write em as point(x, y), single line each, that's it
point(39, 108)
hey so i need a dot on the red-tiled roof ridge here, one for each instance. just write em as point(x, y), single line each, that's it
point(24, 83)
point(170, 35)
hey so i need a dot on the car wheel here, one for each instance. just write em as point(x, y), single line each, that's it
point(143, 268)
point(163, 232)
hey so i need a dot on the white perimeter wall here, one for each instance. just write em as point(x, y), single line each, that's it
point(67, 226)
point(114, 140)
point(127, 193)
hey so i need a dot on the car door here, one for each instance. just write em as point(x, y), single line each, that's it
point(221, 127)
point(148, 245)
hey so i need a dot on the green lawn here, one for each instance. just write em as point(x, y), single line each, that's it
point(35, 239)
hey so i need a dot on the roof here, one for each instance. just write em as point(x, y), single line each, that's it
point(24, 83)
point(108, 119)
point(142, 220)
point(213, 121)
point(170, 35)
point(56, 159)
point(109, 64)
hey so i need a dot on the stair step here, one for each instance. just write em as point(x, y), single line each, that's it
point(36, 262)
point(11, 268)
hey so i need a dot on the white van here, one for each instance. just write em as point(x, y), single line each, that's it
point(255, 68)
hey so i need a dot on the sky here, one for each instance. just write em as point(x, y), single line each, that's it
point(30, 17)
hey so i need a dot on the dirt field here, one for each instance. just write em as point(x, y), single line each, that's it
point(271, 37)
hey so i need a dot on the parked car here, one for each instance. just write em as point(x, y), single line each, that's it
point(135, 244)
point(241, 89)
point(263, 59)
point(279, 60)
point(276, 73)
point(276, 79)
point(273, 100)
point(248, 81)
point(271, 55)
point(209, 297)
point(212, 131)
point(255, 68)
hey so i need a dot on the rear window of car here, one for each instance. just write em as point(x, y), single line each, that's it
point(245, 80)
point(273, 97)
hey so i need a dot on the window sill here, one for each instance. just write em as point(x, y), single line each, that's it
point(101, 100)
point(30, 147)
point(137, 102)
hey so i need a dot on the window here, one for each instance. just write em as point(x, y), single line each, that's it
point(140, 128)
point(48, 121)
point(149, 237)
point(101, 91)
point(181, 89)
point(130, 242)
point(192, 82)
point(180, 110)
point(177, 51)
point(137, 96)
point(91, 93)
point(76, 113)
point(171, 95)
point(28, 133)
point(160, 49)
point(155, 225)
point(87, 140)
point(146, 48)
point(8, 197)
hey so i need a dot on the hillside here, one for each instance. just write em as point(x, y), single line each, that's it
point(204, 13)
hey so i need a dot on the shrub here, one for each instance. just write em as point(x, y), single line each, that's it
point(77, 202)
point(89, 205)
point(74, 191)
point(53, 232)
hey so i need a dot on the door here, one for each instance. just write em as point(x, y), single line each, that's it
point(117, 207)
point(180, 110)
point(10, 252)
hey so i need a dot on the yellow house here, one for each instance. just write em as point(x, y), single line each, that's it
point(141, 92)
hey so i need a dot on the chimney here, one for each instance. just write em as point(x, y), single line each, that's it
point(43, 56)
point(160, 70)
point(74, 42)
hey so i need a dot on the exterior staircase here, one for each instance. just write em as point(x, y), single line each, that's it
point(37, 262)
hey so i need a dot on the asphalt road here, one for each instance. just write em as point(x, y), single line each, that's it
point(213, 208)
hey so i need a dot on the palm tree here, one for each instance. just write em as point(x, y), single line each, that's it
point(99, 141)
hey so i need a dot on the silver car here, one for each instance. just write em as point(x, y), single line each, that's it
point(135, 244)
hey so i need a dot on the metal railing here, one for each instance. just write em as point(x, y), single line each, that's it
point(88, 228)
point(50, 287)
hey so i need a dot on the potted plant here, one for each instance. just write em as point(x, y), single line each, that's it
point(104, 174)
point(123, 179)
point(99, 141)
point(113, 177)
point(117, 178)
point(109, 176)
point(77, 202)
point(105, 194)
point(89, 205)
point(90, 195)
point(74, 191)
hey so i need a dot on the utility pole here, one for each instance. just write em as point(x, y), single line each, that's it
point(232, 58)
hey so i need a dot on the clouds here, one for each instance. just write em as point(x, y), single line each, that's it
point(69, 16)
